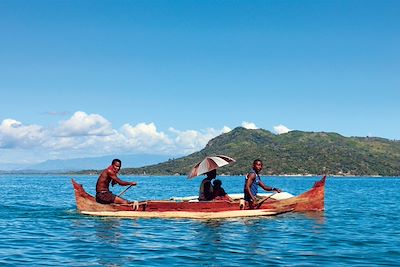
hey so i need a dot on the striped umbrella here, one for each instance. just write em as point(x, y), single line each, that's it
point(209, 164)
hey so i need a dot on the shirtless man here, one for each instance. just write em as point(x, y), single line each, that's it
point(103, 193)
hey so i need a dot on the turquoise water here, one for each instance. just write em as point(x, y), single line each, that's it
point(40, 227)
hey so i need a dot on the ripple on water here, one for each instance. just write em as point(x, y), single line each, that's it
point(40, 226)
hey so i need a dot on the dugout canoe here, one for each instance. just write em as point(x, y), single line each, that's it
point(312, 200)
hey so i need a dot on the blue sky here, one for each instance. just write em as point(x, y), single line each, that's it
point(87, 78)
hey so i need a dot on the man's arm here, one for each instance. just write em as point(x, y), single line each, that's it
point(268, 188)
point(116, 179)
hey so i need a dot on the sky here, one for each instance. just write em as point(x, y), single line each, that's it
point(92, 78)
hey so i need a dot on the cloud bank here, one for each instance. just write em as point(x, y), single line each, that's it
point(87, 135)
point(84, 135)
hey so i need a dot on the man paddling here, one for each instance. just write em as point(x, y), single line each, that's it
point(109, 175)
point(252, 182)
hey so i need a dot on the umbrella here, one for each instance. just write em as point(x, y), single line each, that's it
point(209, 164)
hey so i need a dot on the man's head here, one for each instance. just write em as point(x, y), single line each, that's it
point(212, 174)
point(116, 164)
point(217, 183)
point(257, 165)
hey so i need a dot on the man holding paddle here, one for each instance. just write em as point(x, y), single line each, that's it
point(252, 182)
point(109, 175)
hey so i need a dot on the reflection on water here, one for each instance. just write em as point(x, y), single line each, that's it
point(109, 230)
point(318, 217)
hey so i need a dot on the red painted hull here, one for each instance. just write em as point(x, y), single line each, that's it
point(312, 200)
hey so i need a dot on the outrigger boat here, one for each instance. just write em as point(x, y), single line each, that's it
point(312, 200)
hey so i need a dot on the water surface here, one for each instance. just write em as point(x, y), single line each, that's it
point(40, 226)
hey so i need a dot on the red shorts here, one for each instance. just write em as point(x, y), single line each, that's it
point(105, 197)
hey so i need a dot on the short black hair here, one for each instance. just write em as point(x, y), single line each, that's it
point(116, 160)
point(256, 160)
point(217, 182)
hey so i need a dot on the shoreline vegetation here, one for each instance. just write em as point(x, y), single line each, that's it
point(295, 153)
point(95, 174)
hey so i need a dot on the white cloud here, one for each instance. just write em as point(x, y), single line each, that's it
point(226, 129)
point(281, 129)
point(190, 141)
point(142, 132)
point(144, 138)
point(82, 124)
point(84, 135)
point(249, 125)
point(13, 134)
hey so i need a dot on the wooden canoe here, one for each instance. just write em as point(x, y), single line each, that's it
point(312, 200)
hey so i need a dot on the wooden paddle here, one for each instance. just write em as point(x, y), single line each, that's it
point(258, 205)
point(126, 189)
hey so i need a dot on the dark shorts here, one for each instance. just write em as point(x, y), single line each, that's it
point(105, 197)
point(248, 198)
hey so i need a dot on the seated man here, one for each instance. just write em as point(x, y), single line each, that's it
point(219, 192)
point(109, 175)
point(206, 188)
point(252, 181)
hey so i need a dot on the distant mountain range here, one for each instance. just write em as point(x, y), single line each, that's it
point(92, 163)
point(292, 153)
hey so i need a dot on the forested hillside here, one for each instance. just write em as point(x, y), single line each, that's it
point(295, 152)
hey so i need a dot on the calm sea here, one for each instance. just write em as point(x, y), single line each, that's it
point(39, 226)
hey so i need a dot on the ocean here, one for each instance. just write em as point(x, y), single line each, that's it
point(40, 226)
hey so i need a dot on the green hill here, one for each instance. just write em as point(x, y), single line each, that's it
point(295, 152)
